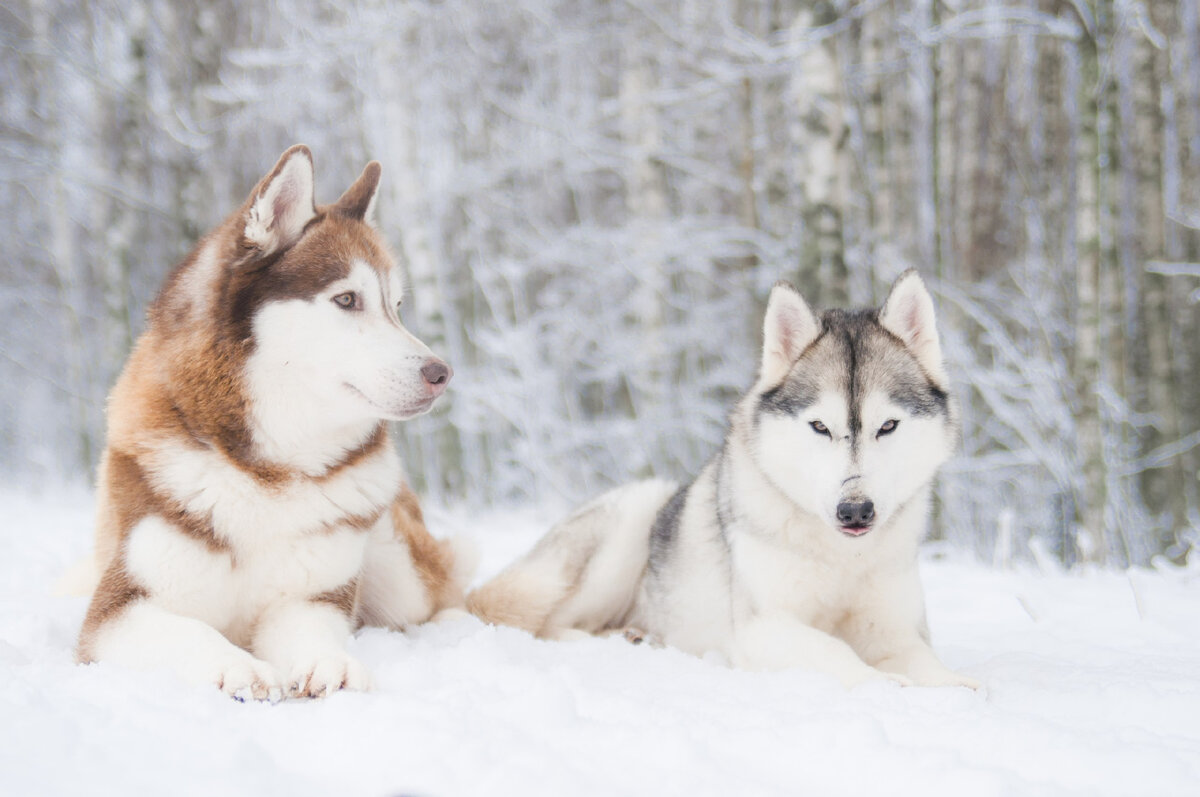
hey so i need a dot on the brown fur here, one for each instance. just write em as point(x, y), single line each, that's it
point(508, 600)
point(432, 558)
point(131, 498)
point(206, 347)
point(125, 498)
point(183, 384)
point(354, 203)
point(114, 593)
point(344, 598)
point(378, 440)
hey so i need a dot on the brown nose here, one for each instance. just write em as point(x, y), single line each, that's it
point(436, 374)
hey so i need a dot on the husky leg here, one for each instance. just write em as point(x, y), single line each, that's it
point(409, 576)
point(146, 636)
point(779, 642)
point(306, 640)
point(890, 632)
point(919, 663)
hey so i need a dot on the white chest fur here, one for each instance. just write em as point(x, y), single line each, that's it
point(817, 576)
point(275, 542)
point(245, 511)
point(229, 589)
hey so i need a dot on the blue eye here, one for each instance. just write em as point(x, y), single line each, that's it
point(820, 428)
point(888, 427)
point(347, 300)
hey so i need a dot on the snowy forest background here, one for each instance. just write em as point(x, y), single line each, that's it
point(593, 198)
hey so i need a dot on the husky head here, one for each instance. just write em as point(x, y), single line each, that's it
point(852, 415)
point(300, 307)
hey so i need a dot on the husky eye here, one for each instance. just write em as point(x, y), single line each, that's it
point(820, 428)
point(347, 300)
point(888, 427)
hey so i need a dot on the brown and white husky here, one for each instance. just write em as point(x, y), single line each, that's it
point(252, 511)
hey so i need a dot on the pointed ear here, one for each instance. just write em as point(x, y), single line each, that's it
point(788, 329)
point(359, 200)
point(908, 314)
point(282, 202)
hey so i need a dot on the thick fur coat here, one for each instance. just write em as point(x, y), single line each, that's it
point(251, 508)
point(796, 545)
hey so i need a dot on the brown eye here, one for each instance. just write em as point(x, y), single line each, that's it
point(347, 300)
point(820, 428)
point(888, 427)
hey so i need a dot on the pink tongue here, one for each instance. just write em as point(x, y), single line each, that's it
point(856, 532)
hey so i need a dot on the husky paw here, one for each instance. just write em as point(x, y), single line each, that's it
point(948, 678)
point(872, 675)
point(636, 636)
point(249, 678)
point(928, 671)
point(896, 678)
point(322, 676)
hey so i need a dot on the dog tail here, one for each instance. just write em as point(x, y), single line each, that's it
point(585, 573)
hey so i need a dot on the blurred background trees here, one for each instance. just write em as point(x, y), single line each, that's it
point(592, 199)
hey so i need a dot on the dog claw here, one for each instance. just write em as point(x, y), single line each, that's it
point(636, 636)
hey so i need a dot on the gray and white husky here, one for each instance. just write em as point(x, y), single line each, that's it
point(796, 546)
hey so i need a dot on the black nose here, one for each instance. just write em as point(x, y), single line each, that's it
point(436, 373)
point(855, 513)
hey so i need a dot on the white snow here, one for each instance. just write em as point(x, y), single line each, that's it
point(1092, 687)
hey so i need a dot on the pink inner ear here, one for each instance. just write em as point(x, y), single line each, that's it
point(792, 324)
point(795, 324)
point(283, 200)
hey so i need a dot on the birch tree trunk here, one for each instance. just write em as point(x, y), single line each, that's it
point(1164, 488)
point(820, 144)
point(646, 201)
point(1090, 502)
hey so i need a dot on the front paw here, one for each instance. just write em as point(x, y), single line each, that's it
point(636, 636)
point(948, 678)
point(323, 675)
point(872, 675)
point(247, 678)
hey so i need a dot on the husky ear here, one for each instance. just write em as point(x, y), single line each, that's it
point(788, 330)
point(282, 203)
point(908, 314)
point(359, 200)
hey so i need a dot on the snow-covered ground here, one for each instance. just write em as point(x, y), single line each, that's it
point(1092, 687)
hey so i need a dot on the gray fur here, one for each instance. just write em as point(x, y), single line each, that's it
point(666, 528)
point(870, 358)
point(751, 559)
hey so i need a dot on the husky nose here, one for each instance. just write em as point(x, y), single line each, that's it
point(436, 374)
point(855, 513)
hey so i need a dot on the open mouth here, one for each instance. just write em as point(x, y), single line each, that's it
point(856, 531)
